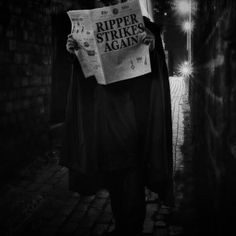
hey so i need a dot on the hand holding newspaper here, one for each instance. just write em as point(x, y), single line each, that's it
point(110, 42)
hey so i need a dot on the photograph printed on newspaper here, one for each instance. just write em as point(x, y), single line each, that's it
point(110, 42)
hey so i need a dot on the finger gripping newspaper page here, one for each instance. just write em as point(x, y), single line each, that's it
point(109, 40)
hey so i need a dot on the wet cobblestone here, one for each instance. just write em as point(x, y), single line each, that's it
point(41, 204)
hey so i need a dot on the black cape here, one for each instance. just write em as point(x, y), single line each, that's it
point(107, 127)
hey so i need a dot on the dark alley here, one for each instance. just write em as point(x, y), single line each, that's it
point(41, 204)
point(148, 96)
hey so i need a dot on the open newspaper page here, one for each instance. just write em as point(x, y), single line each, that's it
point(87, 53)
point(115, 37)
point(118, 31)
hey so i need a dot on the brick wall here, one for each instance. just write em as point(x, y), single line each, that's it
point(25, 60)
point(213, 106)
point(26, 77)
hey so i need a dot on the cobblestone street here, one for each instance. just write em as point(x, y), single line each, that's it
point(39, 202)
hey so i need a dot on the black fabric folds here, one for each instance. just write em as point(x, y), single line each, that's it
point(111, 127)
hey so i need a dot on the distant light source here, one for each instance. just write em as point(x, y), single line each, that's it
point(185, 69)
point(165, 13)
point(184, 7)
point(187, 26)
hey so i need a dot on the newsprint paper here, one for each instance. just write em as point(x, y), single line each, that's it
point(109, 41)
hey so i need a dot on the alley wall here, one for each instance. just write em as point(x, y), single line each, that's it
point(26, 65)
point(213, 111)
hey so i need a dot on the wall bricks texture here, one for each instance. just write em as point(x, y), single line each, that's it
point(26, 77)
point(25, 72)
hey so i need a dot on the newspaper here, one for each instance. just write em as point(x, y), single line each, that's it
point(109, 41)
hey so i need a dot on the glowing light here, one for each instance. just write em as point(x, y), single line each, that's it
point(185, 7)
point(187, 26)
point(182, 7)
point(185, 69)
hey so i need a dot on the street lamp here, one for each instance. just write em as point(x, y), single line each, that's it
point(186, 8)
point(181, 7)
point(187, 26)
point(185, 69)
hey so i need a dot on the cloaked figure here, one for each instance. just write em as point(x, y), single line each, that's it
point(119, 136)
